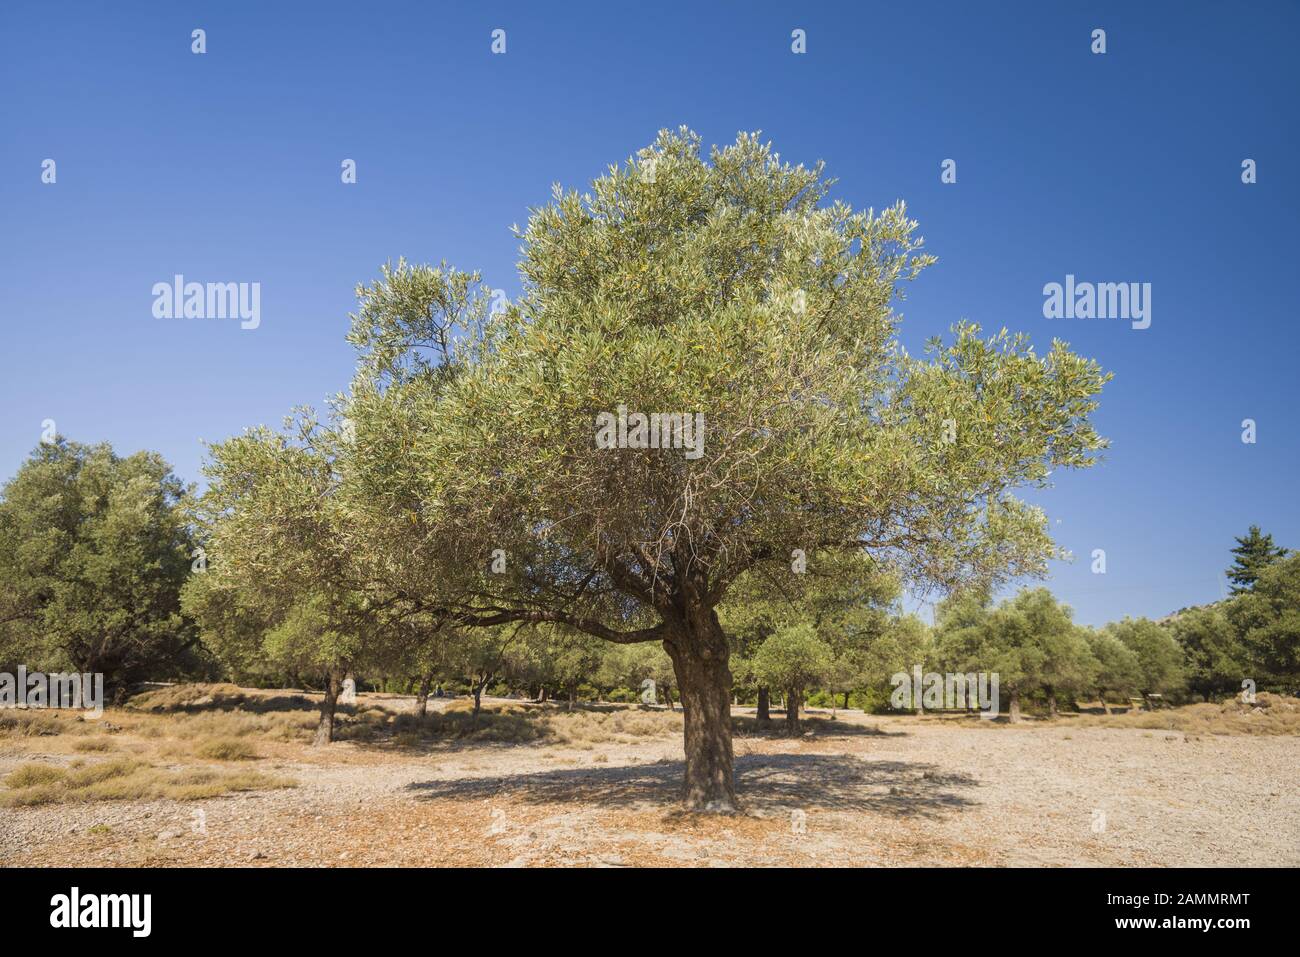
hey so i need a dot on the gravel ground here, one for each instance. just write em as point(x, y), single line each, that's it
point(876, 791)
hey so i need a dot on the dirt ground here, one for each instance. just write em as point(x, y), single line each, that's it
point(858, 790)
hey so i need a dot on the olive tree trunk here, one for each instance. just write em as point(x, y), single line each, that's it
point(1013, 715)
point(422, 698)
point(793, 698)
point(764, 705)
point(325, 727)
point(700, 657)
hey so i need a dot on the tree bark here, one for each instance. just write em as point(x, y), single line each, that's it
point(792, 700)
point(1051, 702)
point(422, 699)
point(1104, 706)
point(764, 705)
point(1013, 715)
point(846, 701)
point(700, 654)
point(325, 727)
point(478, 700)
point(668, 696)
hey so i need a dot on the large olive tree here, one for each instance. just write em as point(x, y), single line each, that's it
point(727, 285)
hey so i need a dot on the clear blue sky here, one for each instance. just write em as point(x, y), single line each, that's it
point(225, 167)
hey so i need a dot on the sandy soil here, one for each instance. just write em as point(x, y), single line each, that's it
point(874, 791)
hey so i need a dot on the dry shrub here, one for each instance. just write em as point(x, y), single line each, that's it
point(188, 697)
point(226, 749)
point(281, 725)
point(1270, 714)
point(621, 726)
point(124, 779)
point(93, 744)
point(495, 707)
point(25, 722)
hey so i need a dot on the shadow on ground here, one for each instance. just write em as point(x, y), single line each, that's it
point(770, 782)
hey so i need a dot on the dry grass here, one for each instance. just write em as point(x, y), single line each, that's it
point(124, 779)
point(25, 723)
point(1270, 714)
point(188, 697)
point(513, 723)
point(226, 749)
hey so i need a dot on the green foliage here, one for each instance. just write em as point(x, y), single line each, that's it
point(1029, 641)
point(1214, 655)
point(93, 551)
point(1267, 619)
point(1253, 553)
point(793, 659)
point(727, 285)
point(1160, 659)
point(1118, 669)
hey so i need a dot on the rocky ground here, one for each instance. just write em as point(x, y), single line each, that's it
point(859, 791)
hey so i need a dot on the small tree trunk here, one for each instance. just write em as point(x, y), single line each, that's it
point(1104, 706)
point(668, 696)
point(846, 701)
point(1013, 715)
point(422, 699)
point(764, 705)
point(572, 697)
point(478, 701)
point(1051, 701)
point(700, 654)
point(325, 727)
point(792, 699)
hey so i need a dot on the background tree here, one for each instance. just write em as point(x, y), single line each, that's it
point(1253, 553)
point(842, 595)
point(1118, 670)
point(629, 666)
point(275, 525)
point(1267, 619)
point(1160, 659)
point(94, 548)
point(1214, 655)
point(793, 659)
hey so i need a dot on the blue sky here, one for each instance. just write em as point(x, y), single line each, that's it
point(1122, 167)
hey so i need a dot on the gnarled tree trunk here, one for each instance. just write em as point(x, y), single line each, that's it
point(700, 656)
point(764, 705)
point(422, 699)
point(1104, 706)
point(325, 727)
point(793, 698)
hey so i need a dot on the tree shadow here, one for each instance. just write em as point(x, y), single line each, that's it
point(772, 783)
point(816, 727)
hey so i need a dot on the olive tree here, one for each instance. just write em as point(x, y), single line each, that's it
point(731, 298)
point(94, 549)
point(793, 659)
